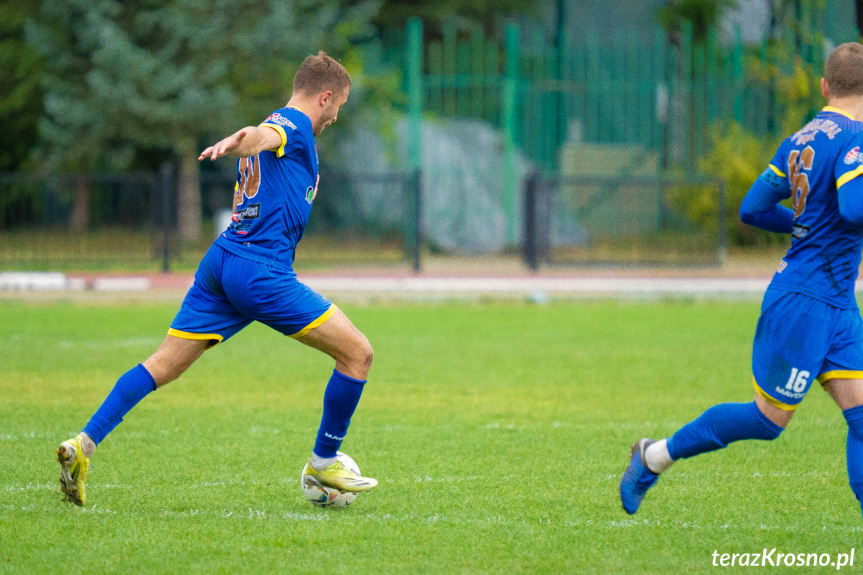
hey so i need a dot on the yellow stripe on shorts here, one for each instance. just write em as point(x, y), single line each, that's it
point(770, 399)
point(839, 374)
point(323, 317)
point(196, 336)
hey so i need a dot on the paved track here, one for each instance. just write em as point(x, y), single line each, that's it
point(536, 288)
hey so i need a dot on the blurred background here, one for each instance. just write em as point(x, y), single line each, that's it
point(501, 133)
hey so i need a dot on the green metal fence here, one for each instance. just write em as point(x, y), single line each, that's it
point(591, 105)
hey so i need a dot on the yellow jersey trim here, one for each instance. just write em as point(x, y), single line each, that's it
point(848, 176)
point(280, 151)
point(213, 337)
point(838, 111)
point(777, 171)
point(770, 399)
point(839, 374)
point(323, 317)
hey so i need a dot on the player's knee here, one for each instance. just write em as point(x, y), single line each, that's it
point(365, 353)
point(370, 356)
point(359, 357)
point(772, 414)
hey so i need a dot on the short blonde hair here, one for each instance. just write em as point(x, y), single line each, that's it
point(844, 70)
point(320, 73)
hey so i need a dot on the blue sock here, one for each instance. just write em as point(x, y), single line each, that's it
point(854, 449)
point(131, 388)
point(340, 400)
point(719, 426)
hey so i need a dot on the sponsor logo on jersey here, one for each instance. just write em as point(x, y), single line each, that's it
point(799, 232)
point(815, 127)
point(782, 265)
point(853, 156)
point(251, 212)
point(277, 118)
point(241, 229)
point(310, 194)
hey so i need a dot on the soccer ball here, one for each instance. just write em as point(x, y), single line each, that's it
point(323, 496)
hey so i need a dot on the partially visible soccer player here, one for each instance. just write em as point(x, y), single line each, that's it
point(247, 275)
point(810, 326)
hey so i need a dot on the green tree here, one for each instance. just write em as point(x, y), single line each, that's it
point(21, 97)
point(122, 76)
point(703, 15)
point(434, 13)
point(737, 156)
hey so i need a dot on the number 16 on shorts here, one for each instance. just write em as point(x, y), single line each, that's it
point(789, 395)
point(798, 381)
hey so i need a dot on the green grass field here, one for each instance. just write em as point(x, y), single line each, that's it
point(498, 433)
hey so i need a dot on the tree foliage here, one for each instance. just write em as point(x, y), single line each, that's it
point(165, 74)
point(737, 156)
point(435, 13)
point(702, 14)
point(21, 95)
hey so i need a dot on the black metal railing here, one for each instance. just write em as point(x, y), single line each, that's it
point(630, 220)
point(129, 222)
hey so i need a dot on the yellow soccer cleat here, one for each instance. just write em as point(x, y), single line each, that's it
point(73, 470)
point(340, 477)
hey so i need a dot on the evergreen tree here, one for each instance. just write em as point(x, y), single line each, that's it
point(21, 97)
point(120, 76)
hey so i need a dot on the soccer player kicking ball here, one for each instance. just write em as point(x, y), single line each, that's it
point(810, 326)
point(247, 275)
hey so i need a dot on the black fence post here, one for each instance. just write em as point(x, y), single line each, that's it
point(418, 232)
point(165, 183)
point(530, 248)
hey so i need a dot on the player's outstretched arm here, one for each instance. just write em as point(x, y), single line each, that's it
point(244, 143)
point(760, 207)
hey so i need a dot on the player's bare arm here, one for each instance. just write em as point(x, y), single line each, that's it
point(249, 141)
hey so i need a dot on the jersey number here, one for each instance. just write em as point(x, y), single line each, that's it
point(798, 380)
point(798, 162)
point(250, 178)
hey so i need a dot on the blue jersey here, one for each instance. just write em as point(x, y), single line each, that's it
point(278, 187)
point(825, 248)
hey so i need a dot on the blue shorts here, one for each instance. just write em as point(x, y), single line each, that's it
point(231, 291)
point(800, 339)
